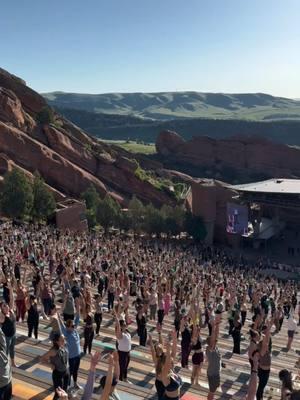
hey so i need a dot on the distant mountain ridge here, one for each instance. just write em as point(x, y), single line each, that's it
point(172, 105)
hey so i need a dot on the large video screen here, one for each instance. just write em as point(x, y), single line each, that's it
point(237, 218)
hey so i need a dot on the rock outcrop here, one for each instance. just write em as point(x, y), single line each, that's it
point(67, 158)
point(242, 155)
point(31, 101)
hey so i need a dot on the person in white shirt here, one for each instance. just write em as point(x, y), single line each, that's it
point(291, 326)
point(124, 346)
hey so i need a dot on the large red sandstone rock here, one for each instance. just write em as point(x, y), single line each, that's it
point(168, 142)
point(68, 159)
point(31, 101)
point(11, 110)
point(243, 154)
point(70, 149)
point(118, 174)
point(57, 171)
point(7, 165)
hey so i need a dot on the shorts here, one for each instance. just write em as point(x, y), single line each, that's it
point(197, 358)
point(160, 389)
point(213, 382)
point(291, 334)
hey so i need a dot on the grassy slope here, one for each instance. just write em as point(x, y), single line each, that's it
point(134, 147)
point(170, 105)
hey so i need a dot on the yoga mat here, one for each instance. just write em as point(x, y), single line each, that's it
point(23, 392)
point(189, 396)
point(33, 350)
point(41, 373)
point(127, 396)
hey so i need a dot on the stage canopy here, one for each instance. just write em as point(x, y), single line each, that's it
point(282, 186)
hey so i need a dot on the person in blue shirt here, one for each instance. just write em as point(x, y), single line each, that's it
point(73, 344)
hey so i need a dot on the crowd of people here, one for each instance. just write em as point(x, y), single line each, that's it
point(70, 280)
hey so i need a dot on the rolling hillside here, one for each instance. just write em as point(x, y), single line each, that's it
point(171, 105)
point(123, 127)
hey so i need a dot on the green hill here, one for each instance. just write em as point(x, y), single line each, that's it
point(171, 105)
point(123, 127)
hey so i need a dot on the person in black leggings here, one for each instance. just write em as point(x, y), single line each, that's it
point(236, 335)
point(58, 356)
point(161, 310)
point(141, 321)
point(98, 313)
point(8, 321)
point(33, 316)
point(264, 361)
point(186, 339)
point(110, 297)
point(159, 357)
point(88, 331)
point(6, 372)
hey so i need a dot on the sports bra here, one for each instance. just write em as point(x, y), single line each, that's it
point(175, 383)
point(197, 346)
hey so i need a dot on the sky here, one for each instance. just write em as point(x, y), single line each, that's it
point(100, 46)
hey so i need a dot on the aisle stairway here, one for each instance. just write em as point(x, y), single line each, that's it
point(32, 380)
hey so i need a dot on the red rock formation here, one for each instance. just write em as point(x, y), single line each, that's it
point(11, 110)
point(242, 154)
point(57, 170)
point(31, 101)
point(7, 165)
point(67, 158)
point(168, 142)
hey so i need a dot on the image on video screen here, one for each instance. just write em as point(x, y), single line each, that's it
point(237, 218)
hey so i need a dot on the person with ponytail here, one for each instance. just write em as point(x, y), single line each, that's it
point(159, 358)
point(58, 356)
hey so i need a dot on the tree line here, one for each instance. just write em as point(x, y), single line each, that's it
point(28, 199)
point(140, 218)
point(22, 198)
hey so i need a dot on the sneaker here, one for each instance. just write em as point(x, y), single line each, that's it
point(77, 387)
point(127, 381)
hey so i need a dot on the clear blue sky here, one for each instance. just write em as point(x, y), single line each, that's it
point(97, 46)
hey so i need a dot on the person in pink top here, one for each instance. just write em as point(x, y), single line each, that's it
point(167, 300)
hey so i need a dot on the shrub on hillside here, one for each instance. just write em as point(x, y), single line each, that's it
point(45, 116)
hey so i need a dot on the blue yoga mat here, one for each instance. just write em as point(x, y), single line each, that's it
point(33, 350)
point(127, 396)
point(40, 373)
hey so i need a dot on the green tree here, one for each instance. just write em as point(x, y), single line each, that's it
point(43, 200)
point(195, 227)
point(17, 195)
point(153, 220)
point(91, 216)
point(91, 198)
point(45, 116)
point(124, 221)
point(136, 211)
point(174, 218)
point(108, 211)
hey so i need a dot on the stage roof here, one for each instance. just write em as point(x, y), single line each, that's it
point(285, 186)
